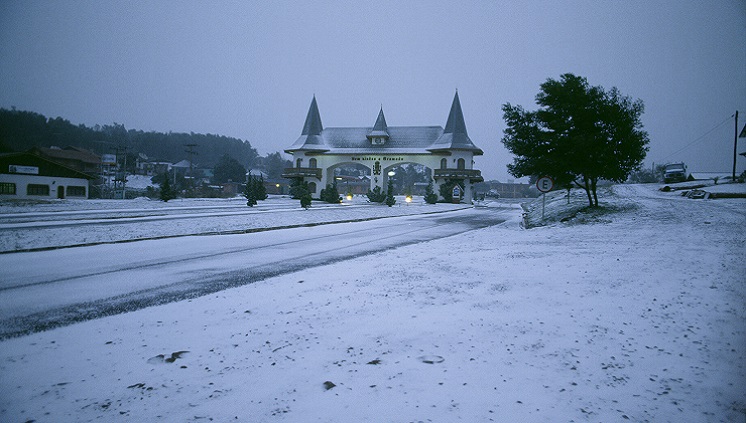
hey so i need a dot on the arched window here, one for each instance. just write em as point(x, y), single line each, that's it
point(312, 163)
point(312, 187)
point(298, 162)
point(443, 163)
point(461, 164)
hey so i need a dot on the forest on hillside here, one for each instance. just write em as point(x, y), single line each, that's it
point(23, 130)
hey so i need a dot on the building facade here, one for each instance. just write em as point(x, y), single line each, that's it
point(448, 152)
point(28, 176)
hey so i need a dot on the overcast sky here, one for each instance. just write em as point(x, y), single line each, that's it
point(249, 69)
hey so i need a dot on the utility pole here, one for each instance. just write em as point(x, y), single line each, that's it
point(124, 172)
point(124, 176)
point(735, 147)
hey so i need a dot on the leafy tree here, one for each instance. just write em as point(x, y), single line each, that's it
point(580, 134)
point(377, 195)
point(430, 196)
point(390, 200)
point(228, 169)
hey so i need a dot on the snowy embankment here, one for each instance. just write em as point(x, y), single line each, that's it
point(631, 315)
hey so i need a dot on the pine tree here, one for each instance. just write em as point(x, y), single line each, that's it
point(305, 200)
point(166, 191)
point(377, 195)
point(261, 190)
point(390, 200)
point(249, 192)
point(430, 196)
point(330, 194)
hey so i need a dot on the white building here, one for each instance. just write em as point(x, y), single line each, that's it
point(28, 176)
point(448, 153)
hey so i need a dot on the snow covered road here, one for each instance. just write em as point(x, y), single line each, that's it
point(46, 289)
point(79, 223)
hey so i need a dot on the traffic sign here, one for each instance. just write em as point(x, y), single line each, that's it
point(545, 184)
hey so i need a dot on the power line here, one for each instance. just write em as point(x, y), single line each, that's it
point(700, 137)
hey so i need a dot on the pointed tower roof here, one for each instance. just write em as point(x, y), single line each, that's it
point(455, 123)
point(454, 135)
point(380, 129)
point(313, 124)
point(311, 138)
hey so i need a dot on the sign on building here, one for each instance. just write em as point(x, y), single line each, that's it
point(29, 170)
point(109, 159)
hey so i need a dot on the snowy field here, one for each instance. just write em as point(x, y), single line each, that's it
point(633, 313)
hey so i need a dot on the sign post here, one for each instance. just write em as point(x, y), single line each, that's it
point(544, 184)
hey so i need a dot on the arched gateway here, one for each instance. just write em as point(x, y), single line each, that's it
point(448, 152)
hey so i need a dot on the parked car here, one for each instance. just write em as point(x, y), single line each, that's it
point(675, 172)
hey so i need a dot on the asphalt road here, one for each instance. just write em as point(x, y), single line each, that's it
point(47, 289)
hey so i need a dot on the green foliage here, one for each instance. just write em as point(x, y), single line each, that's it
point(273, 165)
point(250, 193)
point(330, 194)
point(390, 200)
point(261, 190)
point(377, 195)
point(254, 190)
point(446, 190)
point(228, 169)
point(21, 130)
point(580, 134)
point(430, 196)
point(299, 191)
point(166, 191)
point(298, 188)
point(176, 185)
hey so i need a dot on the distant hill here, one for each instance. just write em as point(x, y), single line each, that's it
point(22, 130)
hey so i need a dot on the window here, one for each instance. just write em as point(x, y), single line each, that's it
point(312, 187)
point(76, 191)
point(461, 164)
point(7, 188)
point(298, 162)
point(443, 163)
point(312, 163)
point(34, 189)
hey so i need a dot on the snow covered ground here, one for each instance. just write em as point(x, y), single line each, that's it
point(36, 225)
point(632, 313)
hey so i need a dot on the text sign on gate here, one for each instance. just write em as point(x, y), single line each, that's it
point(545, 184)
